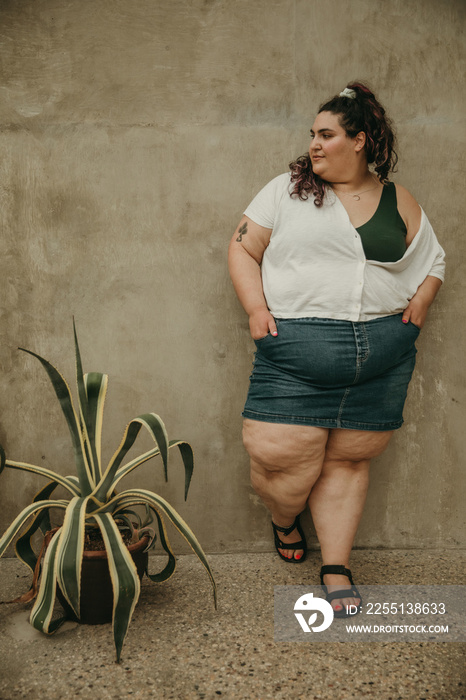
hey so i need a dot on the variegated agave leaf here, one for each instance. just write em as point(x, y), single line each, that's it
point(155, 427)
point(23, 546)
point(169, 569)
point(42, 612)
point(70, 483)
point(21, 520)
point(187, 456)
point(125, 580)
point(95, 385)
point(70, 549)
point(92, 390)
point(63, 393)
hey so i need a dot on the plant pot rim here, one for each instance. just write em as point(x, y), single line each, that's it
point(102, 553)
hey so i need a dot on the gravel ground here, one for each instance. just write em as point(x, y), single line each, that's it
point(179, 647)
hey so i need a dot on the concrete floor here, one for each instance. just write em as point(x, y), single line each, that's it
point(179, 647)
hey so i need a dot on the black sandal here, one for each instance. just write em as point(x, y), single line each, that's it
point(292, 545)
point(342, 592)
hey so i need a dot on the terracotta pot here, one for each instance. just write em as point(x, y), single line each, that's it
point(96, 606)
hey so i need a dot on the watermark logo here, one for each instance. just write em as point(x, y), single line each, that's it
point(308, 603)
point(387, 614)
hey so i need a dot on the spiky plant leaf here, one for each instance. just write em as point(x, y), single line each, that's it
point(130, 521)
point(41, 613)
point(20, 521)
point(63, 393)
point(96, 385)
point(23, 547)
point(82, 403)
point(124, 576)
point(187, 456)
point(70, 551)
point(170, 567)
point(155, 427)
point(71, 484)
point(91, 394)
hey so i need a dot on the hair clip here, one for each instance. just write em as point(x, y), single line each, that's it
point(348, 92)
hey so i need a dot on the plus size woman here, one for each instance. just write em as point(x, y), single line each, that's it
point(336, 268)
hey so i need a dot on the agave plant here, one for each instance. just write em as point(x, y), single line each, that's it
point(93, 502)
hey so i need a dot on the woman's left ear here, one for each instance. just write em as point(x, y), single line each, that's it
point(360, 141)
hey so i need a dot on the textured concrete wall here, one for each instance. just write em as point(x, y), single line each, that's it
point(132, 136)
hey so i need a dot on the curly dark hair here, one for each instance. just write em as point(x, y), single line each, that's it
point(361, 113)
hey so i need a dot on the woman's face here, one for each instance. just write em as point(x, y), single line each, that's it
point(334, 155)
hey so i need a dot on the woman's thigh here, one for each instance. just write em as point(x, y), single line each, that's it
point(355, 445)
point(281, 446)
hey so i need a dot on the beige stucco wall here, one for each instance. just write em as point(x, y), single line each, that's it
point(132, 136)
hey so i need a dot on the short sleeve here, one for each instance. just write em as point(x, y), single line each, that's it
point(264, 206)
point(438, 267)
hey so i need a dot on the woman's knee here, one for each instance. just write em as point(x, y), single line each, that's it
point(345, 468)
point(287, 485)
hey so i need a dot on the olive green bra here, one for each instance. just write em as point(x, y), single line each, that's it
point(383, 237)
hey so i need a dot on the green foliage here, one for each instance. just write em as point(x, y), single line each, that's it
point(94, 502)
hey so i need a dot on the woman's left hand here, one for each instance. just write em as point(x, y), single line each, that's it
point(417, 309)
point(416, 312)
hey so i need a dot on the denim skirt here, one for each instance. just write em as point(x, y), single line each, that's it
point(333, 374)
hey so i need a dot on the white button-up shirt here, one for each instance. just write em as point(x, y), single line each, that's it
point(315, 265)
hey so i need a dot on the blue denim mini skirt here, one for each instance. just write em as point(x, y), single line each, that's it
point(333, 374)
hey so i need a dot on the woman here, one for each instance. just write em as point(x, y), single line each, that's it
point(336, 268)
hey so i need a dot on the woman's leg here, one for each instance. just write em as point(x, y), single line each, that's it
point(338, 496)
point(286, 461)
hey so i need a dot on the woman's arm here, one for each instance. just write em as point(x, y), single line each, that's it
point(410, 212)
point(245, 253)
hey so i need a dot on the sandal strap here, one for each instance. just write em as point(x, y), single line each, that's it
point(343, 593)
point(335, 569)
point(294, 545)
point(287, 530)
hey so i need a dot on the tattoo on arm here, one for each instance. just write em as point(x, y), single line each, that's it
point(242, 231)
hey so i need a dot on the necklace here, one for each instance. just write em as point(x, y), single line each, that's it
point(356, 196)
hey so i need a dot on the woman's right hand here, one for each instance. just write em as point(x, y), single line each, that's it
point(261, 323)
